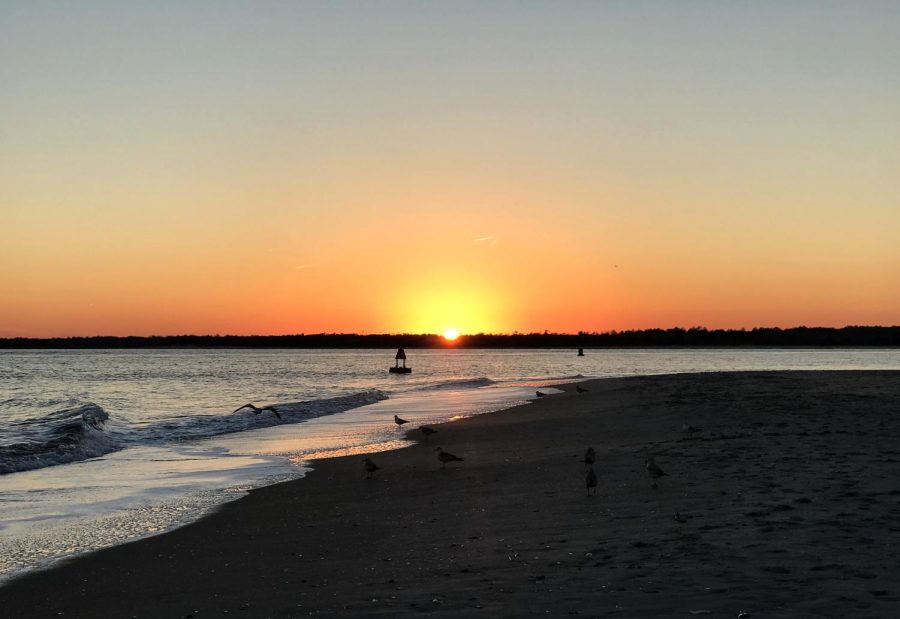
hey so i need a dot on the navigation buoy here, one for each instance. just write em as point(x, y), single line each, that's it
point(398, 369)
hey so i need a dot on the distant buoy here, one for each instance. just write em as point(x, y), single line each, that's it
point(398, 369)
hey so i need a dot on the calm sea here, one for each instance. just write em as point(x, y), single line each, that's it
point(99, 447)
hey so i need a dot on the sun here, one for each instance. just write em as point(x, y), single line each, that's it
point(451, 334)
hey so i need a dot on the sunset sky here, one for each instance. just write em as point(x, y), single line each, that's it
point(287, 167)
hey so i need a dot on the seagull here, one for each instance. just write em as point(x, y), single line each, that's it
point(540, 394)
point(445, 457)
point(590, 482)
point(580, 389)
point(371, 467)
point(590, 457)
point(654, 471)
point(427, 431)
point(689, 429)
point(399, 421)
point(258, 410)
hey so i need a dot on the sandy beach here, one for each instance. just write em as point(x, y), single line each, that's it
point(788, 505)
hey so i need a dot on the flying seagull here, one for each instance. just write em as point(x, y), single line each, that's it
point(371, 467)
point(590, 482)
point(590, 457)
point(427, 431)
point(580, 389)
point(445, 457)
point(654, 471)
point(399, 421)
point(257, 410)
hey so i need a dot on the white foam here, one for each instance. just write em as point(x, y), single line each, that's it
point(62, 511)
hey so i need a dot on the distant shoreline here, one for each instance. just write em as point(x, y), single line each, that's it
point(698, 337)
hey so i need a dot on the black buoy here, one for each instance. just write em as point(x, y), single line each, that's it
point(398, 369)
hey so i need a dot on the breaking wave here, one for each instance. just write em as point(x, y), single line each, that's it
point(87, 431)
point(64, 436)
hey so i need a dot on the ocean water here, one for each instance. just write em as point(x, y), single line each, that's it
point(101, 447)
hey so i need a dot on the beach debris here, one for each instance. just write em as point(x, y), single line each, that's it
point(399, 421)
point(580, 389)
point(540, 394)
point(654, 471)
point(257, 410)
point(689, 429)
point(371, 467)
point(427, 431)
point(445, 457)
point(590, 457)
point(590, 482)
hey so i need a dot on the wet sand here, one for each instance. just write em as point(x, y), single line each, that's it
point(789, 505)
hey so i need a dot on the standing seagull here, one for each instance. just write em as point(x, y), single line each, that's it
point(540, 394)
point(654, 471)
point(590, 457)
point(258, 410)
point(427, 431)
point(580, 389)
point(371, 467)
point(445, 457)
point(590, 482)
point(399, 421)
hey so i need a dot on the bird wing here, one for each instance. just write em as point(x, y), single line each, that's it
point(243, 407)
point(271, 408)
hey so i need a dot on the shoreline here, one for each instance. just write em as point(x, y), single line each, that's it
point(510, 530)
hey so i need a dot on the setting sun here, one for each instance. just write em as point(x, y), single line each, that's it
point(451, 334)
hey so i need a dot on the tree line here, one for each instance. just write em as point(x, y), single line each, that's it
point(851, 336)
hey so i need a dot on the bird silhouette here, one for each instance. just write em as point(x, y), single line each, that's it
point(590, 457)
point(371, 467)
point(446, 456)
point(399, 421)
point(427, 431)
point(540, 394)
point(654, 471)
point(257, 410)
point(590, 482)
point(580, 389)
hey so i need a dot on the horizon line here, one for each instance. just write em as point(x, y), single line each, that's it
point(547, 333)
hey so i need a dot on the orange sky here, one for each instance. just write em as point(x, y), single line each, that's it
point(306, 169)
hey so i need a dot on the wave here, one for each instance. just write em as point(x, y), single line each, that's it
point(462, 383)
point(87, 431)
point(64, 436)
point(202, 426)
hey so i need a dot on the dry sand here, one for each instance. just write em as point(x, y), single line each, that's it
point(790, 501)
